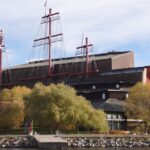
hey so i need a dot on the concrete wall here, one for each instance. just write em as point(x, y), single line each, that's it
point(123, 61)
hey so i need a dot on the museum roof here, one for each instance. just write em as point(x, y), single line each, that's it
point(110, 105)
point(102, 56)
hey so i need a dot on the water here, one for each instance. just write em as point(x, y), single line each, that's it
point(121, 148)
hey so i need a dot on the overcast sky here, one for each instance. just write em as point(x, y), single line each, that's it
point(109, 24)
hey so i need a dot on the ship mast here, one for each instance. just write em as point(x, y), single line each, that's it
point(86, 52)
point(1, 50)
point(49, 39)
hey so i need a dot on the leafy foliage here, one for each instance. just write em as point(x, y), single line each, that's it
point(53, 106)
point(11, 116)
point(5, 95)
point(15, 94)
point(12, 107)
point(138, 103)
point(57, 106)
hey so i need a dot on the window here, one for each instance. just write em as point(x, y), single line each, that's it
point(115, 123)
point(127, 95)
point(117, 86)
point(103, 96)
point(108, 116)
point(120, 116)
point(114, 116)
point(93, 87)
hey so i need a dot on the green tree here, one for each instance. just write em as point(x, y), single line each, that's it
point(56, 106)
point(138, 103)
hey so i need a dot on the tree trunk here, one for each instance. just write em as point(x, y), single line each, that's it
point(146, 128)
point(77, 128)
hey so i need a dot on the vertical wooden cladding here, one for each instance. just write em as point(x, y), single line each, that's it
point(73, 67)
point(125, 60)
point(124, 76)
point(5, 76)
point(104, 65)
point(148, 74)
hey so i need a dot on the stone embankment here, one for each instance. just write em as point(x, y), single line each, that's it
point(99, 141)
point(17, 142)
point(108, 141)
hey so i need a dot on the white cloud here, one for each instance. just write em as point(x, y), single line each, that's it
point(109, 24)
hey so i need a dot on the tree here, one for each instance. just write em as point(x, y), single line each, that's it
point(12, 107)
point(15, 94)
point(138, 103)
point(5, 95)
point(56, 106)
point(11, 116)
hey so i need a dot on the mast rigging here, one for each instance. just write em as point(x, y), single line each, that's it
point(85, 50)
point(1, 51)
point(49, 39)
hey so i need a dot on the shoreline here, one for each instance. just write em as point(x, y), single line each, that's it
point(102, 141)
point(17, 141)
point(79, 141)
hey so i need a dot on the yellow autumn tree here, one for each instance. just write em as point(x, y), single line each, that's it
point(12, 107)
point(11, 116)
point(138, 103)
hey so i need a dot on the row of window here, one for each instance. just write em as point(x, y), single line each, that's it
point(117, 125)
point(123, 71)
point(104, 96)
point(117, 86)
point(116, 121)
point(115, 116)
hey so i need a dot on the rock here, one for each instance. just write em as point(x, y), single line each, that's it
point(3, 146)
point(109, 142)
point(17, 142)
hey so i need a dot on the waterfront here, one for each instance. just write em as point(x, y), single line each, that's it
point(76, 142)
point(121, 148)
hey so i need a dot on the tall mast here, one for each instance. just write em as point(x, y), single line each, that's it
point(49, 47)
point(86, 52)
point(87, 55)
point(1, 50)
point(49, 39)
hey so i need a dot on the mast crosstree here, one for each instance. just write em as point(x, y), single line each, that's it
point(85, 50)
point(49, 39)
point(64, 68)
